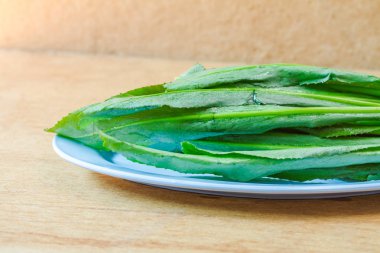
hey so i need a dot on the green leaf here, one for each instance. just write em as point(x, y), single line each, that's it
point(240, 169)
point(166, 128)
point(363, 172)
point(277, 146)
point(178, 99)
point(79, 122)
point(305, 96)
point(194, 69)
point(273, 75)
point(147, 90)
point(344, 130)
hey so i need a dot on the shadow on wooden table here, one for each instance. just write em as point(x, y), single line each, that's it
point(319, 207)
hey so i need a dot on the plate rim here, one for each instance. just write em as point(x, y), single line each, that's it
point(213, 186)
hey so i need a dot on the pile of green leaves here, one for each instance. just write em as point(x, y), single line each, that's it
point(284, 121)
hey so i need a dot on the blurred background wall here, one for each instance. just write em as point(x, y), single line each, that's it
point(343, 33)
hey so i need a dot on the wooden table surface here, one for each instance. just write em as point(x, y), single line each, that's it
point(47, 204)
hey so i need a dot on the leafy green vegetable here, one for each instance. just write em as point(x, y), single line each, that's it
point(147, 90)
point(166, 128)
point(79, 124)
point(235, 168)
point(362, 172)
point(345, 130)
point(273, 75)
point(287, 121)
point(278, 146)
point(124, 105)
point(303, 96)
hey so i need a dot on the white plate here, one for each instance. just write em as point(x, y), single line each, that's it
point(117, 166)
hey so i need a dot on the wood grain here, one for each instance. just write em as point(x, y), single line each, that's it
point(47, 204)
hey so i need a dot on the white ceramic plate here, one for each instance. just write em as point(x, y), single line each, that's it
point(117, 166)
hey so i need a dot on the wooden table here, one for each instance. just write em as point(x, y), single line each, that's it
point(47, 204)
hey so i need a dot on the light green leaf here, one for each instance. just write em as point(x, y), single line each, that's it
point(274, 75)
point(240, 169)
point(277, 146)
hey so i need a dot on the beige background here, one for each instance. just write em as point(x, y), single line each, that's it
point(342, 33)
